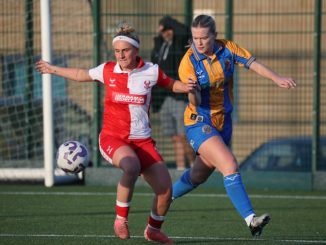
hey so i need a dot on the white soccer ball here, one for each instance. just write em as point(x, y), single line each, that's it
point(72, 157)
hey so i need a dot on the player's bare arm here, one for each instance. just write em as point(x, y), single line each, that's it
point(180, 87)
point(264, 71)
point(75, 74)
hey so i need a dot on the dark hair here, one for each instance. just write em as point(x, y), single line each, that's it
point(205, 21)
point(167, 23)
point(125, 29)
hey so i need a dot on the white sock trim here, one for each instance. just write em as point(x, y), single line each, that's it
point(120, 217)
point(156, 217)
point(153, 228)
point(122, 204)
point(248, 219)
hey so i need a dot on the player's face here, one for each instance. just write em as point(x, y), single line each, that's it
point(203, 40)
point(126, 55)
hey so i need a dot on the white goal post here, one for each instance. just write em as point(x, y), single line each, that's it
point(47, 94)
point(48, 173)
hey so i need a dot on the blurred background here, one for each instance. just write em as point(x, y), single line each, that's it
point(285, 35)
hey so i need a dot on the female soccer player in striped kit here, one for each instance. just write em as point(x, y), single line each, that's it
point(125, 139)
point(207, 119)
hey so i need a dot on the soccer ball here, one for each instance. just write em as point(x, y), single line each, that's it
point(72, 157)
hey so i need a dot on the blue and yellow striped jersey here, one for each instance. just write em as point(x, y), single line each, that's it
point(215, 77)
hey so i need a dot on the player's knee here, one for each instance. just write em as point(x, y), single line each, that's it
point(131, 170)
point(230, 169)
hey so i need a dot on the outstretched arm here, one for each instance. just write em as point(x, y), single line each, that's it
point(76, 74)
point(180, 87)
point(264, 71)
point(192, 88)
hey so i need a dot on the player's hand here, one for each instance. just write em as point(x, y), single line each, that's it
point(286, 82)
point(192, 86)
point(44, 67)
point(194, 95)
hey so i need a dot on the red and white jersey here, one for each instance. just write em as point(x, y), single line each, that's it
point(128, 97)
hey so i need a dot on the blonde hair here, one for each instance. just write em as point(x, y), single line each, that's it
point(126, 29)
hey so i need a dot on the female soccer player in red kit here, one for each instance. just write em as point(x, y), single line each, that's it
point(125, 139)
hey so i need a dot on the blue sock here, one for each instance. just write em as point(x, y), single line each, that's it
point(183, 185)
point(238, 195)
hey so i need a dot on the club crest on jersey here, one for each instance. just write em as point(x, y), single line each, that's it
point(147, 84)
point(112, 82)
point(200, 74)
point(206, 129)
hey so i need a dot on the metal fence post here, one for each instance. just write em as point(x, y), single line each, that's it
point(316, 89)
point(96, 87)
point(28, 94)
point(229, 19)
point(188, 12)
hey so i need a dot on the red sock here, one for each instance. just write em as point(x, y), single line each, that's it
point(155, 221)
point(122, 209)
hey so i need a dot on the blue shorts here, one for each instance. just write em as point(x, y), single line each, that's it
point(199, 132)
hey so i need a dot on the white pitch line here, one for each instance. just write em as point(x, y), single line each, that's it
point(294, 241)
point(27, 193)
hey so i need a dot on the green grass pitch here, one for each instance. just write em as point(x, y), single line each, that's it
point(32, 214)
